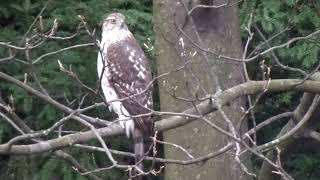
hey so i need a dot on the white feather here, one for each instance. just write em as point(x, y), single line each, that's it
point(114, 36)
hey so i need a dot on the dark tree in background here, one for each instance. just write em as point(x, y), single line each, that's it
point(237, 81)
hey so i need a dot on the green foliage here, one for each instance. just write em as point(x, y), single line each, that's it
point(304, 166)
point(272, 17)
point(300, 18)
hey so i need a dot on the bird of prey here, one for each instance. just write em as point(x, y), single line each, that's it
point(125, 74)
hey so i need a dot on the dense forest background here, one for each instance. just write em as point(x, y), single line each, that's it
point(294, 17)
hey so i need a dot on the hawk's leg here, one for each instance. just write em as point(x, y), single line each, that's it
point(110, 108)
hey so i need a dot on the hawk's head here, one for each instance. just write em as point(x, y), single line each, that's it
point(114, 29)
point(114, 21)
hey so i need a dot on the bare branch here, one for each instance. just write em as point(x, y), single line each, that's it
point(314, 135)
point(222, 98)
point(295, 129)
point(61, 50)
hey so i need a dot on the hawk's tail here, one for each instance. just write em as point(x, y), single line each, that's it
point(138, 149)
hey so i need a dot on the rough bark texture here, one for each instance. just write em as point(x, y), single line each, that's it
point(219, 30)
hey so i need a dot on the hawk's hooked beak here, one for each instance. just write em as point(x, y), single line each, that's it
point(123, 25)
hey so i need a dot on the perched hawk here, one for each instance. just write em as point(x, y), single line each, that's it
point(125, 72)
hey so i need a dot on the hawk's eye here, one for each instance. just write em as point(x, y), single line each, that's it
point(113, 21)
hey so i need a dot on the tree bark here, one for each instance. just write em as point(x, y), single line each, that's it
point(214, 28)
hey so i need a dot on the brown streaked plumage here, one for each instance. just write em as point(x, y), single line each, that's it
point(126, 72)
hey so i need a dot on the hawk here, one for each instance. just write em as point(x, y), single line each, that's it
point(124, 72)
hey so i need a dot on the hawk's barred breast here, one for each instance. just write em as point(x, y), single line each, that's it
point(127, 73)
point(130, 75)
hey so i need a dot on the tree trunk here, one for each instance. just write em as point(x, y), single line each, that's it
point(218, 30)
